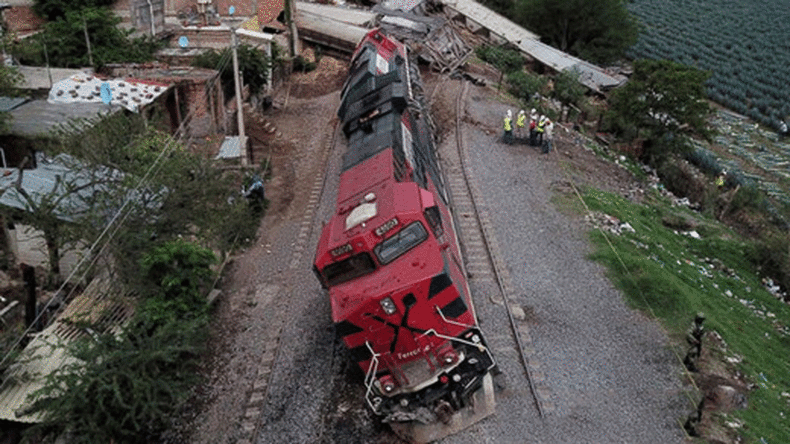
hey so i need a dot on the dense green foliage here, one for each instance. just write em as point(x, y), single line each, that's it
point(183, 194)
point(598, 31)
point(510, 63)
point(122, 387)
point(63, 42)
point(567, 88)
point(661, 102)
point(180, 275)
point(55, 9)
point(503, 59)
point(253, 65)
point(672, 276)
point(744, 45)
point(9, 78)
point(524, 85)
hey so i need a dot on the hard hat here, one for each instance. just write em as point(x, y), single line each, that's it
point(700, 316)
point(509, 113)
point(521, 112)
point(542, 118)
point(533, 111)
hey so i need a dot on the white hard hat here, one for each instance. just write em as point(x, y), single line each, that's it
point(509, 113)
point(533, 111)
point(521, 112)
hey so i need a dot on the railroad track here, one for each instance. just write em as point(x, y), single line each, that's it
point(481, 250)
point(281, 288)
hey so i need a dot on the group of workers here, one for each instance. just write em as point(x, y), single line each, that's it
point(541, 129)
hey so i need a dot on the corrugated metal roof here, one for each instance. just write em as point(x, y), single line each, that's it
point(592, 76)
point(330, 32)
point(9, 103)
point(229, 148)
point(37, 117)
point(37, 77)
point(356, 17)
point(46, 353)
point(40, 182)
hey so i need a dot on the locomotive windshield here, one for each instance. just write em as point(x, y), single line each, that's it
point(405, 240)
point(345, 270)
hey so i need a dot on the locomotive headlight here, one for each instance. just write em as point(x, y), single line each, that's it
point(387, 383)
point(388, 306)
point(450, 357)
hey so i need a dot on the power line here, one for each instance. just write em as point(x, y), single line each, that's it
point(117, 220)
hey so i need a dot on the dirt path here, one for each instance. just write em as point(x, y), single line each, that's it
point(246, 316)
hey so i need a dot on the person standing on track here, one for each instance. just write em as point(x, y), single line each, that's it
point(508, 123)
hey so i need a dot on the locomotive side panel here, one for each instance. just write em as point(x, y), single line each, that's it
point(390, 260)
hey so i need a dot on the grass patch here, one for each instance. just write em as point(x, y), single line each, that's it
point(671, 274)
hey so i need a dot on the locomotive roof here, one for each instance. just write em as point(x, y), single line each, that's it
point(376, 175)
point(383, 132)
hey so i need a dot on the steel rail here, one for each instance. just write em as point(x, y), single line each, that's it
point(460, 99)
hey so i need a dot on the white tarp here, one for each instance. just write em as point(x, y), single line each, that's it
point(86, 88)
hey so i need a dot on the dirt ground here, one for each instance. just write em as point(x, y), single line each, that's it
point(277, 136)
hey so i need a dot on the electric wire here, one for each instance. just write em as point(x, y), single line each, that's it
point(121, 214)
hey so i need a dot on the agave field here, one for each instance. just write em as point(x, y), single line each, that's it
point(745, 44)
point(744, 146)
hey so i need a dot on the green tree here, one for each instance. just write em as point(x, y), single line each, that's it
point(9, 78)
point(122, 387)
point(524, 85)
point(503, 7)
point(63, 41)
point(55, 9)
point(160, 191)
point(179, 274)
point(662, 102)
point(55, 210)
point(254, 66)
point(599, 31)
point(567, 88)
point(505, 60)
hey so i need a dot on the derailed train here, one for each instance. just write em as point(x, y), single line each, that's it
point(390, 260)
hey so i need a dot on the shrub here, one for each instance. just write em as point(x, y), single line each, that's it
point(524, 85)
point(772, 256)
point(122, 387)
point(505, 60)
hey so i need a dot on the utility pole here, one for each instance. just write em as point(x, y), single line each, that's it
point(87, 39)
point(239, 105)
point(290, 20)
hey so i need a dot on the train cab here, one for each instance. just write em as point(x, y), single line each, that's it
point(390, 260)
point(395, 286)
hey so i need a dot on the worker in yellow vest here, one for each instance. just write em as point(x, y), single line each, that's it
point(521, 123)
point(508, 137)
point(539, 129)
point(720, 179)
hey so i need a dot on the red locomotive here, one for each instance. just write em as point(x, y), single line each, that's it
point(390, 259)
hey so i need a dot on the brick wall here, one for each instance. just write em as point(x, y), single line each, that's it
point(21, 19)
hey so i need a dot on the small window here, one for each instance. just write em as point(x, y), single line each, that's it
point(345, 270)
point(403, 241)
point(434, 219)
